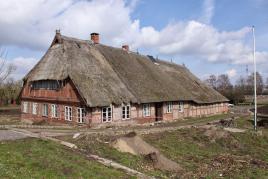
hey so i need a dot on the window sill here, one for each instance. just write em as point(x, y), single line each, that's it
point(106, 121)
point(124, 119)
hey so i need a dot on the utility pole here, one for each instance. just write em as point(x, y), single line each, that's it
point(255, 81)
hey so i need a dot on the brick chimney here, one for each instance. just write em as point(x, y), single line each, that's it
point(125, 47)
point(58, 36)
point(95, 37)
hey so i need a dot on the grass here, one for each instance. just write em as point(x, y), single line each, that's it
point(98, 145)
point(33, 158)
point(193, 150)
point(197, 153)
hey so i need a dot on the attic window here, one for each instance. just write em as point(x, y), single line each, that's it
point(46, 84)
point(78, 45)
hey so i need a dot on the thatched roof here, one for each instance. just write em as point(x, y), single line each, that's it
point(106, 75)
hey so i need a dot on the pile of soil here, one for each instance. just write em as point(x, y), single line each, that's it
point(135, 145)
point(214, 133)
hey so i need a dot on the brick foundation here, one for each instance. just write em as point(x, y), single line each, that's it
point(94, 115)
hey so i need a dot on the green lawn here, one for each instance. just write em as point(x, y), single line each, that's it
point(33, 158)
point(232, 156)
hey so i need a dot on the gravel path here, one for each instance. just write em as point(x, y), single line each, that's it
point(11, 135)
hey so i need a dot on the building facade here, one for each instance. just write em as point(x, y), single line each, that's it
point(84, 82)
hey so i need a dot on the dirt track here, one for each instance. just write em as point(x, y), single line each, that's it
point(10, 135)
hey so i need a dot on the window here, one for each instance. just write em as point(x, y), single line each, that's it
point(180, 106)
point(25, 107)
point(169, 107)
point(106, 114)
point(46, 84)
point(45, 110)
point(81, 115)
point(34, 108)
point(54, 110)
point(68, 113)
point(126, 112)
point(146, 110)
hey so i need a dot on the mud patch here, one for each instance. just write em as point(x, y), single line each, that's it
point(135, 145)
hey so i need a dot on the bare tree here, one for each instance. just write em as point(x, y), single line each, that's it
point(6, 69)
point(241, 85)
point(225, 87)
point(259, 84)
point(212, 81)
point(223, 83)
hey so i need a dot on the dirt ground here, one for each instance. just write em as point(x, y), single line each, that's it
point(10, 135)
point(9, 115)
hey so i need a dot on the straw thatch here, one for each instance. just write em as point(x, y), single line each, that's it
point(106, 75)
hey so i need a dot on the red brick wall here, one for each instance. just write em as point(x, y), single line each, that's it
point(67, 93)
point(61, 113)
point(69, 96)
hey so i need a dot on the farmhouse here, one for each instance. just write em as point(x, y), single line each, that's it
point(84, 81)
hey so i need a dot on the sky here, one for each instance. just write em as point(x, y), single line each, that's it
point(208, 36)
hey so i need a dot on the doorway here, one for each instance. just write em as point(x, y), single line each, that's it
point(158, 111)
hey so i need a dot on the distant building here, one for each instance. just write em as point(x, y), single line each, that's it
point(83, 81)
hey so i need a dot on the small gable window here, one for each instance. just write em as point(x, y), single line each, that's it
point(126, 112)
point(34, 108)
point(25, 107)
point(45, 109)
point(169, 107)
point(146, 110)
point(46, 84)
point(107, 114)
point(54, 110)
point(68, 113)
point(81, 115)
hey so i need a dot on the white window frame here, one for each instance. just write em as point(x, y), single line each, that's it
point(54, 111)
point(146, 110)
point(81, 113)
point(68, 113)
point(107, 114)
point(34, 108)
point(45, 110)
point(25, 107)
point(169, 107)
point(181, 106)
point(126, 112)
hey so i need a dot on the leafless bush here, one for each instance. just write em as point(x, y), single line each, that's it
point(6, 69)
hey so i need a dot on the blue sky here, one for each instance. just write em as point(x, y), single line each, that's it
point(208, 36)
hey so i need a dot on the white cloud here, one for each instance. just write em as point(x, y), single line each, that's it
point(23, 66)
point(31, 24)
point(231, 73)
point(208, 8)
